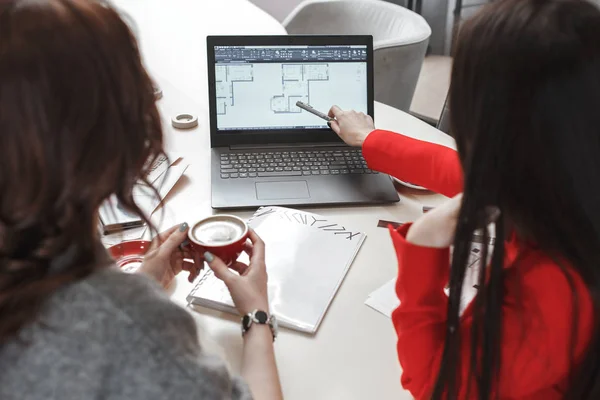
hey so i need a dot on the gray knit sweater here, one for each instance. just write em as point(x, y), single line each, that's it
point(113, 336)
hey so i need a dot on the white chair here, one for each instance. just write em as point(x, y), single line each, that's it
point(400, 39)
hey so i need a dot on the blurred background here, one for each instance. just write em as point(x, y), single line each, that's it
point(439, 14)
point(424, 76)
point(410, 76)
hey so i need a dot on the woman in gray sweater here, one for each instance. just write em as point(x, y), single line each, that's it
point(78, 123)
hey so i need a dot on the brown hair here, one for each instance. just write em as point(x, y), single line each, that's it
point(78, 122)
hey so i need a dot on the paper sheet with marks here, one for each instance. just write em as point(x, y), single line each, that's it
point(385, 301)
point(307, 219)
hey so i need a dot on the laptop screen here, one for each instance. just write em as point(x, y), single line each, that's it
point(257, 87)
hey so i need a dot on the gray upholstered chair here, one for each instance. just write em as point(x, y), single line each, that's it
point(444, 121)
point(400, 39)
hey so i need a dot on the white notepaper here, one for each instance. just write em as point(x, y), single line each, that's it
point(146, 199)
point(159, 166)
point(385, 300)
point(307, 258)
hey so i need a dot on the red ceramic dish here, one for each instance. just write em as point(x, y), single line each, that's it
point(129, 255)
point(222, 235)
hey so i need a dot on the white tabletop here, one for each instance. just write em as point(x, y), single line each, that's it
point(353, 355)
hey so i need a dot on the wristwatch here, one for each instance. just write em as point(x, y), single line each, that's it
point(261, 318)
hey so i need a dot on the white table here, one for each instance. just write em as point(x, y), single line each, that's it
point(353, 355)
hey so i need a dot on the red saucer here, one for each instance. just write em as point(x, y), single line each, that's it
point(129, 255)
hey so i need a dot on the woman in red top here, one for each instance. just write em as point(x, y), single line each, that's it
point(525, 101)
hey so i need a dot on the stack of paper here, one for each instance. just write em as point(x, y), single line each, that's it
point(307, 258)
point(118, 224)
point(144, 196)
point(114, 217)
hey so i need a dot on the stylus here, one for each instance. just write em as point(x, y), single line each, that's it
point(311, 110)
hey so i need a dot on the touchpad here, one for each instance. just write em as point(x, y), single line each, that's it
point(282, 190)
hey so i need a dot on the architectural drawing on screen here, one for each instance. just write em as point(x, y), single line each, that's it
point(227, 76)
point(295, 81)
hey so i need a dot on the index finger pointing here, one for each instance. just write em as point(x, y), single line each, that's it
point(335, 111)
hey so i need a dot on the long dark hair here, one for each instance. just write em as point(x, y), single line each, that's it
point(78, 122)
point(525, 98)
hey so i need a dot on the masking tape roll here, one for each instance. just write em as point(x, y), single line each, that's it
point(184, 121)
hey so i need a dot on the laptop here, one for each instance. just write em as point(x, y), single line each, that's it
point(268, 151)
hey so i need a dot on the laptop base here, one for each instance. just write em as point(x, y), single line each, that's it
point(313, 190)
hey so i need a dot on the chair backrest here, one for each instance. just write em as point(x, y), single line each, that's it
point(390, 24)
point(400, 39)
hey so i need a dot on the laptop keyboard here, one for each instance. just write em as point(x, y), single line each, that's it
point(292, 163)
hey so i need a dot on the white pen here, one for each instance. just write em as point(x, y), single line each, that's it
point(311, 110)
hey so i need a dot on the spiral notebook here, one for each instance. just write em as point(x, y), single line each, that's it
point(307, 258)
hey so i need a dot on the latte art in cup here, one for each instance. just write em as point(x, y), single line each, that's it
point(222, 235)
point(217, 232)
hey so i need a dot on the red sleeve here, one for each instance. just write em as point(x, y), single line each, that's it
point(537, 319)
point(420, 320)
point(430, 165)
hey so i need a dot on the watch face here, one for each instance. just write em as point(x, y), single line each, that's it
point(261, 317)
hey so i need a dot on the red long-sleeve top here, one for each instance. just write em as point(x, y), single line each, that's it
point(537, 308)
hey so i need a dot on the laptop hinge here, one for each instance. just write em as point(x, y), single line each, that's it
point(284, 145)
